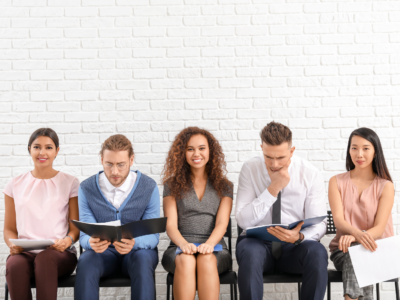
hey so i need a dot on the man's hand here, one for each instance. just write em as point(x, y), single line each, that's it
point(99, 246)
point(125, 246)
point(189, 248)
point(345, 242)
point(205, 249)
point(14, 250)
point(279, 179)
point(286, 235)
point(61, 245)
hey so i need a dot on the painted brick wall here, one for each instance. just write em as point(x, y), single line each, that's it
point(148, 68)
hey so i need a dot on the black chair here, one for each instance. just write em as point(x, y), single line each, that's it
point(281, 277)
point(69, 281)
point(336, 276)
point(228, 277)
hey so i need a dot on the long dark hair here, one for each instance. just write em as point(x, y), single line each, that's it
point(378, 163)
point(44, 132)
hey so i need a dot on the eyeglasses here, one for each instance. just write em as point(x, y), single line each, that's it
point(120, 166)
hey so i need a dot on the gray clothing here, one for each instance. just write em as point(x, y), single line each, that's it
point(342, 262)
point(196, 221)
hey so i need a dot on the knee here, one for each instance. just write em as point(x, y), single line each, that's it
point(88, 262)
point(185, 262)
point(142, 257)
point(16, 265)
point(316, 253)
point(206, 261)
point(45, 256)
point(249, 251)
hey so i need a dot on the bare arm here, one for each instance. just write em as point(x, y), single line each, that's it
point(10, 220)
point(171, 212)
point(222, 221)
point(73, 215)
point(384, 210)
point(335, 202)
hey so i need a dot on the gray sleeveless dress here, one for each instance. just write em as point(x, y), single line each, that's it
point(196, 221)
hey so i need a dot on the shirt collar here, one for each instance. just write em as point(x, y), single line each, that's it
point(124, 187)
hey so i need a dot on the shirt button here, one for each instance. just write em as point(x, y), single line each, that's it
point(117, 211)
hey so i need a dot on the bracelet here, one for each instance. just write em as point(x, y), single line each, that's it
point(72, 240)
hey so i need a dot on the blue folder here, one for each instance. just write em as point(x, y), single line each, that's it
point(217, 248)
point(260, 232)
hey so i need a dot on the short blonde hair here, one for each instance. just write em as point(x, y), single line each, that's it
point(117, 142)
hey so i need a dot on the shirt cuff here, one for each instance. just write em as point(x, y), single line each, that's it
point(266, 198)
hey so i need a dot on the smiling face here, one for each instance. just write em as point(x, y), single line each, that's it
point(116, 166)
point(43, 152)
point(362, 152)
point(197, 151)
point(275, 157)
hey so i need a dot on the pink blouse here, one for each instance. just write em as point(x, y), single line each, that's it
point(42, 205)
point(360, 212)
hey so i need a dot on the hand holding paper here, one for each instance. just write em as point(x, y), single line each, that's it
point(194, 248)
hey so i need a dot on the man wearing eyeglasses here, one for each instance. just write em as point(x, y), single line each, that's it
point(117, 193)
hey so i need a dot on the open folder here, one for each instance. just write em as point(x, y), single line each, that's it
point(117, 232)
point(261, 232)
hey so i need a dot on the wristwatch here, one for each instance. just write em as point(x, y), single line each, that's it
point(299, 240)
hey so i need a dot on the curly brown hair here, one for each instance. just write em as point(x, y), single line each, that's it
point(177, 172)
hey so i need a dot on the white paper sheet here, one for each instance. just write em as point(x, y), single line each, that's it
point(111, 223)
point(32, 244)
point(373, 267)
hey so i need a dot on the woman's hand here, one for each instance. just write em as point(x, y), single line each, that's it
point(345, 242)
point(189, 248)
point(366, 239)
point(205, 249)
point(61, 245)
point(14, 250)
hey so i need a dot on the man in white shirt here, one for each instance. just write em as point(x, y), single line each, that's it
point(279, 188)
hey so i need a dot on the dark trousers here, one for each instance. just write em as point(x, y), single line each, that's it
point(255, 258)
point(138, 265)
point(45, 266)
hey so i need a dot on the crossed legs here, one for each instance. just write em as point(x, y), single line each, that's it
point(200, 270)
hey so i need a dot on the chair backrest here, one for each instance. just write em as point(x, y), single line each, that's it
point(227, 234)
point(330, 226)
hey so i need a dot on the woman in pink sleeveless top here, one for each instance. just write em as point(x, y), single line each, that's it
point(361, 201)
point(38, 205)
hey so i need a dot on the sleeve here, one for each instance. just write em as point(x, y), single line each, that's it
point(228, 192)
point(85, 215)
point(250, 209)
point(74, 188)
point(166, 191)
point(315, 206)
point(152, 211)
point(8, 190)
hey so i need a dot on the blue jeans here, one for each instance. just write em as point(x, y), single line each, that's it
point(138, 265)
point(255, 258)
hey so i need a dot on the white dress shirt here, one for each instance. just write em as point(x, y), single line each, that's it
point(302, 198)
point(117, 195)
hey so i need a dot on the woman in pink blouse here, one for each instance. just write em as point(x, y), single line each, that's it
point(38, 205)
point(361, 201)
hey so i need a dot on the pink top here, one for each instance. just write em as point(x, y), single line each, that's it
point(42, 205)
point(360, 212)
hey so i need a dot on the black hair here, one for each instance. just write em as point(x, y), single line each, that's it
point(44, 132)
point(378, 163)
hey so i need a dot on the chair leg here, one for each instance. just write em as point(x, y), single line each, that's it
point(167, 291)
point(329, 291)
point(378, 297)
point(235, 289)
point(231, 287)
point(396, 285)
point(6, 292)
point(299, 290)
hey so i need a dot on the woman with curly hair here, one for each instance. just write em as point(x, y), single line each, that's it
point(198, 202)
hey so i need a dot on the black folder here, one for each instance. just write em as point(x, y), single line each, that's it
point(128, 231)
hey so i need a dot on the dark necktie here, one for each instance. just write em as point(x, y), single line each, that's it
point(276, 219)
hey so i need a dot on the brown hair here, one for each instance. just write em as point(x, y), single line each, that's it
point(177, 172)
point(275, 134)
point(43, 132)
point(117, 142)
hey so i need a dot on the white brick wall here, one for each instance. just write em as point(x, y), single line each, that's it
point(148, 68)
